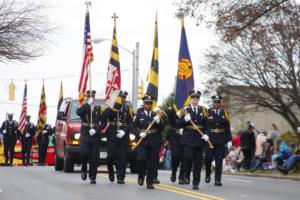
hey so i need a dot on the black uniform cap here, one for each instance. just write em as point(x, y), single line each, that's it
point(216, 98)
point(10, 114)
point(195, 93)
point(147, 99)
point(90, 93)
point(123, 93)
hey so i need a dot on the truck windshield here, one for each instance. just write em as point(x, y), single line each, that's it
point(75, 104)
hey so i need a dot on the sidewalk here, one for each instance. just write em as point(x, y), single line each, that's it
point(268, 174)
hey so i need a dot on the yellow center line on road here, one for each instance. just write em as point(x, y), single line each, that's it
point(177, 190)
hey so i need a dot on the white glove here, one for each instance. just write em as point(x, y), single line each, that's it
point(187, 117)
point(229, 144)
point(143, 134)
point(4, 131)
point(27, 135)
point(44, 131)
point(120, 134)
point(92, 132)
point(205, 137)
point(90, 101)
point(180, 132)
point(157, 119)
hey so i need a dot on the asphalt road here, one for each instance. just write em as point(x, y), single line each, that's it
point(35, 183)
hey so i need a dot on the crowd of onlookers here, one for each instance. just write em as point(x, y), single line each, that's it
point(258, 149)
point(261, 149)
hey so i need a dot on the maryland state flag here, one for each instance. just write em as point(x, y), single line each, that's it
point(152, 78)
point(42, 118)
point(113, 72)
point(185, 77)
point(61, 96)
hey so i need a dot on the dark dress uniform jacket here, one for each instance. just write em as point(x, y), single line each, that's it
point(12, 133)
point(84, 112)
point(31, 129)
point(173, 135)
point(141, 123)
point(117, 121)
point(218, 126)
point(190, 136)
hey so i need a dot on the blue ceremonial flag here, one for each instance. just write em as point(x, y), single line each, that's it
point(185, 76)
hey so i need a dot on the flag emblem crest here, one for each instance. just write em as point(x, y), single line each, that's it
point(185, 69)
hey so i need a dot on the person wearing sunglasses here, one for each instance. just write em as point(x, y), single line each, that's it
point(218, 127)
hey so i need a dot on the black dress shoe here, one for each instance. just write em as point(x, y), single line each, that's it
point(195, 187)
point(93, 181)
point(141, 181)
point(111, 178)
point(181, 181)
point(187, 180)
point(282, 169)
point(173, 178)
point(120, 181)
point(150, 186)
point(207, 179)
point(218, 183)
point(156, 181)
point(83, 176)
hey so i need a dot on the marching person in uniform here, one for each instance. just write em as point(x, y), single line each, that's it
point(10, 131)
point(174, 138)
point(148, 150)
point(218, 129)
point(26, 140)
point(43, 142)
point(89, 136)
point(119, 121)
point(192, 140)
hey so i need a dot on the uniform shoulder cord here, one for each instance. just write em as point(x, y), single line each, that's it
point(226, 115)
point(204, 112)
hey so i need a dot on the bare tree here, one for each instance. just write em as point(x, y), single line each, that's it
point(23, 30)
point(264, 64)
point(232, 18)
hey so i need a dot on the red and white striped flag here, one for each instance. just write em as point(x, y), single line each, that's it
point(88, 57)
point(23, 115)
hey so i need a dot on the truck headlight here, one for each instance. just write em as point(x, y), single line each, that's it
point(76, 136)
point(131, 137)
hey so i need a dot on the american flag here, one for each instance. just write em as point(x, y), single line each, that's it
point(22, 119)
point(113, 72)
point(87, 59)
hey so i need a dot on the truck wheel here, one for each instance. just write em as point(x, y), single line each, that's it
point(133, 167)
point(68, 165)
point(59, 163)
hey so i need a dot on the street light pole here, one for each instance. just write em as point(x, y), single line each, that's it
point(135, 68)
point(135, 76)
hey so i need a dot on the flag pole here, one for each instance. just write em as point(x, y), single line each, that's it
point(88, 4)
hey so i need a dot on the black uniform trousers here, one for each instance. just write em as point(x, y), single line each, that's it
point(116, 154)
point(26, 149)
point(42, 149)
point(193, 157)
point(147, 164)
point(9, 146)
point(177, 159)
point(217, 153)
point(89, 150)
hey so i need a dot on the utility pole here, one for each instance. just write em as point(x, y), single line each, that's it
point(135, 76)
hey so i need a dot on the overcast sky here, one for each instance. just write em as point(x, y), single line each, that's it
point(63, 58)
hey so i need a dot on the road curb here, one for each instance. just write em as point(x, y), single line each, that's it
point(275, 176)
